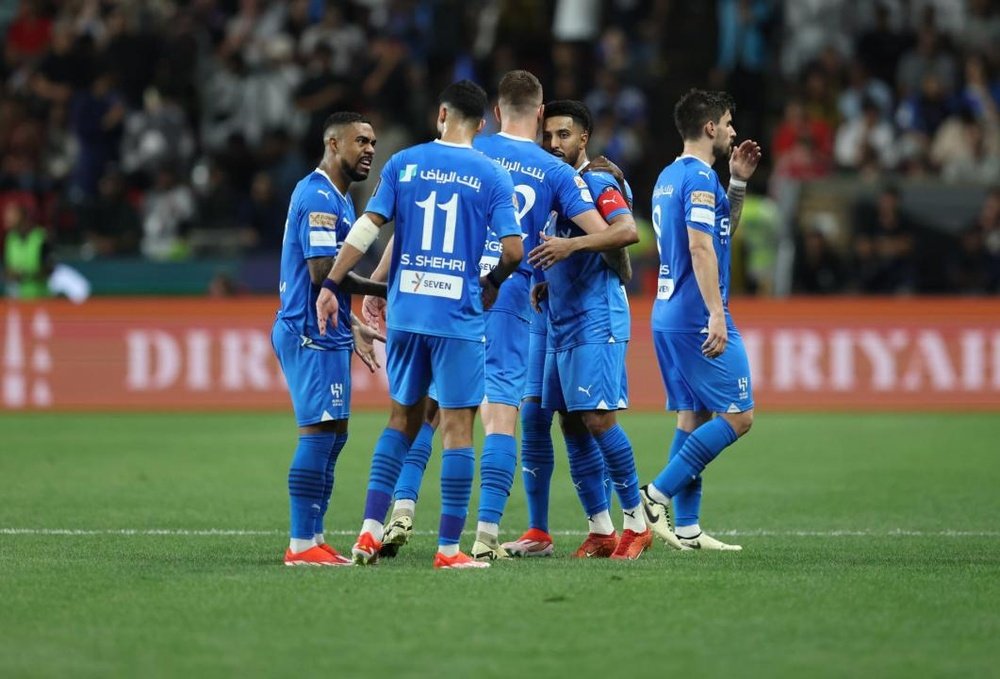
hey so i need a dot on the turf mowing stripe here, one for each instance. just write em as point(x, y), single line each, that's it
point(213, 532)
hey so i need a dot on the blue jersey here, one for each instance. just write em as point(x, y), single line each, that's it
point(688, 194)
point(543, 183)
point(319, 217)
point(443, 198)
point(587, 302)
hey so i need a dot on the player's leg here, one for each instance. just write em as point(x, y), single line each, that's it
point(537, 457)
point(460, 391)
point(587, 471)
point(409, 371)
point(311, 376)
point(723, 386)
point(505, 377)
point(602, 368)
point(400, 526)
point(687, 501)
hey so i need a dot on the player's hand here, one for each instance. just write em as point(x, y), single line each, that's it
point(488, 292)
point(539, 294)
point(326, 309)
point(718, 336)
point(373, 311)
point(743, 159)
point(552, 249)
point(602, 164)
point(364, 344)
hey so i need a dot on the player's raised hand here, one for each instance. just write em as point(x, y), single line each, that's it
point(539, 294)
point(602, 164)
point(718, 336)
point(373, 311)
point(364, 345)
point(326, 309)
point(743, 159)
point(552, 249)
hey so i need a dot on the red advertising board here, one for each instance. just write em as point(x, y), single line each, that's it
point(806, 354)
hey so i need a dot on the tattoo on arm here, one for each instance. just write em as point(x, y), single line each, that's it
point(620, 263)
point(319, 268)
point(736, 195)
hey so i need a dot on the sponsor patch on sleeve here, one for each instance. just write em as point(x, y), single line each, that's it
point(706, 198)
point(580, 183)
point(325, 220)
point(701, 215)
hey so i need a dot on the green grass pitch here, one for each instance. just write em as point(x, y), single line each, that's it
point(871, 548)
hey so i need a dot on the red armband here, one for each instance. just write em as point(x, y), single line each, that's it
point(611, 200)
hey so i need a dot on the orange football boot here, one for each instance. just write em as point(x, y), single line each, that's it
point(460, 560)
point(335, 554)
point(314, 556)
point(597, 546)
point(365, 550)
point(633, 544)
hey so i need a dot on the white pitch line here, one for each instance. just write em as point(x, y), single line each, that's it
point(225, 532)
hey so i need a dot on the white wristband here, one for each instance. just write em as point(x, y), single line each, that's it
point(735, 183)
point(363, 233)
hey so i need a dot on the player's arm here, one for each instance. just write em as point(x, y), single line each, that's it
point(503, 220)
point(742, 163)
point(319, 269)
point(600, 236)
point(363, 233)
point(706, 272)
point(373, 306)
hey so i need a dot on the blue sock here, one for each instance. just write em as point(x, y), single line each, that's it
point(537, 461)
point(701, 447)
point(412, 475)
point(609, 484)
point(620, 461)
point(458, 466)
point(687, 501)
point(586, 468)
point(496, 475)
point(390, 449)
point(306, 482)
point(339, 440)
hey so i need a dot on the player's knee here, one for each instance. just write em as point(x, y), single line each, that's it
point(599, 421)
point(740, 422)
point(572, 425)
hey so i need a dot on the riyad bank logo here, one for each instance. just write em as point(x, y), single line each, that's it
point(408, 173)
point(27, 361)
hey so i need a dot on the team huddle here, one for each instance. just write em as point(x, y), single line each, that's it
point(502, 291)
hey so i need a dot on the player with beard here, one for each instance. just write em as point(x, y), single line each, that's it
point(317, 367)
point(588, 334)
point(700, 352)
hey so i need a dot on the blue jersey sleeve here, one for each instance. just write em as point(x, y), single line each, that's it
point(502, 217)
point(318, 216)
point(699, 200)
point(571, 192)
point(383, 200)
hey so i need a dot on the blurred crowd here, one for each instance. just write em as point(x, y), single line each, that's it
point(173, 129)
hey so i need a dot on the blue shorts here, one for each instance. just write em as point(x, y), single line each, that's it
point(536, 364)
point(506, 358)
point(319, 380)
point(455, 366)
point(695, 382)
point(586, 377)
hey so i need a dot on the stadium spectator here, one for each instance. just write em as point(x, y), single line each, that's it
point(884, 246)
point(110, 223)
point(819, 267)
point(866, 137)
point(967, 149)
point(927, 58)
point(96, 116)
point(879, 48)
point(167, 215)
point(861, 86)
